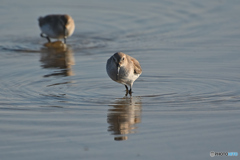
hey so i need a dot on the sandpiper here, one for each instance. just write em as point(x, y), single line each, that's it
point(123, 69)
point(56, 26)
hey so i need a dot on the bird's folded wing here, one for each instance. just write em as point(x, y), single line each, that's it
point(137, 67)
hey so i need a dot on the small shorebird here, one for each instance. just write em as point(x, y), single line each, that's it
point(56, 26)
point(123, 69)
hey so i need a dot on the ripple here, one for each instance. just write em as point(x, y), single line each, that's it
point(149, 27)
point(60, 102)
point(189, 90)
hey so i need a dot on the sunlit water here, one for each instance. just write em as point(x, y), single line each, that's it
point(59, 103)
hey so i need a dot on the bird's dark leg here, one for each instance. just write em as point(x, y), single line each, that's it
point(126, 87)
point(64, 40)
point(48, 39)
point(126, 90)
point(130, 91)
point(42, 35)
point(45, 37)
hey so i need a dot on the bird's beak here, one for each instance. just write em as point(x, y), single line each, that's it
point(118, 69)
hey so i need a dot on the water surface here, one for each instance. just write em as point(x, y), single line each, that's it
point(59, 103)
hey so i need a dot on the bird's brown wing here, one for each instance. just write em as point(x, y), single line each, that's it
point(137, 67)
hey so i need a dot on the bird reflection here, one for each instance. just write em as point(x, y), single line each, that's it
point(123, 117)
point(57, 55)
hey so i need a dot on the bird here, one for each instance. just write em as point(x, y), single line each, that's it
point(58, 26)
point(123, 69)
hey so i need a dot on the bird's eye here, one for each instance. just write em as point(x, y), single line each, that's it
point(123, 58)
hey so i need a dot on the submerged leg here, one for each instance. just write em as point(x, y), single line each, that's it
point(45, 37)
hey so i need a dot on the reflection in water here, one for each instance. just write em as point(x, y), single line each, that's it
point(123, 117)
point(57, 55)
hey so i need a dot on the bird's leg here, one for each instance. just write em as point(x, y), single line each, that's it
point(42, 35)
point(64, 40)
point(49, 41)
point(126, 87)
point(130, 91)
point(126, 90)
point(45, 37)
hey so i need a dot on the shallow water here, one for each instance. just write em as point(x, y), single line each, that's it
point(59, 103)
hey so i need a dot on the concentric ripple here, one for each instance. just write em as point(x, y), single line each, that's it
point(58, 102)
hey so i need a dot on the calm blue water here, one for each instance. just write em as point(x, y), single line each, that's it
point(59, 103)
